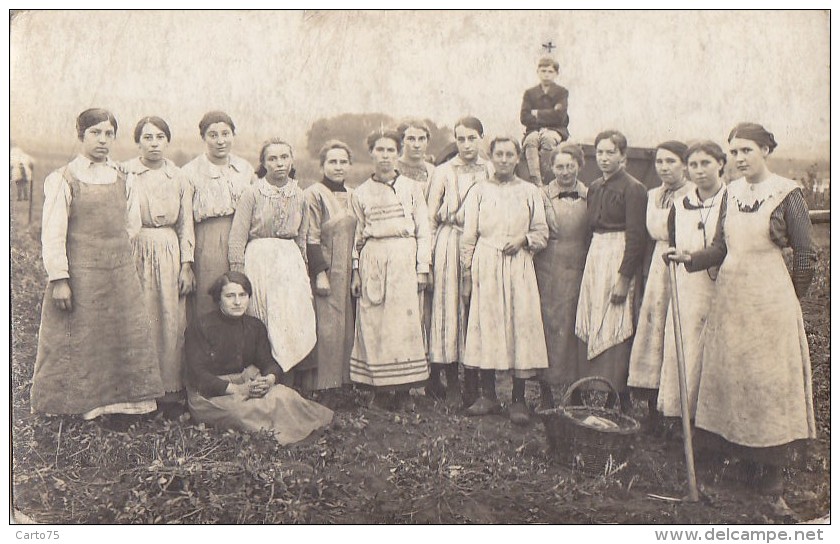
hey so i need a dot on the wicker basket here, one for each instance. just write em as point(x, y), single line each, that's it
point(588, 448)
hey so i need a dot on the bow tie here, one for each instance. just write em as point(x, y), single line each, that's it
point(574, 195)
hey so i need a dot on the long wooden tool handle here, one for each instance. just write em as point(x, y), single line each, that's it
point(693, 494)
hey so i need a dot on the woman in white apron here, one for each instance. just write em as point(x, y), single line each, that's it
point(504, 227)
point(692, 225)
point(412, 164)
point(394, 254)
point(268, 243)
point(755, 395)
point(605, 322)
point(646, 355)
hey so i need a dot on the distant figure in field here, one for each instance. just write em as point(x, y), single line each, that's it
point(545, 115)
point(20, 171)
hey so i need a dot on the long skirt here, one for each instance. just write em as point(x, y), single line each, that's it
point(505, 329)
point(97, 358)
point(696, 294)
point(755, 380)
point(283, 412)
point(559, 273)
point(605, 329)
point(646, 356)
point(211, 261)
point(447, 334)
point(282, 298)
point(388, 350)
point(334, 313)
point(158, 259)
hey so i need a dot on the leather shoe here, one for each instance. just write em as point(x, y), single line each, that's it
point(484, 406)
point(519, 413)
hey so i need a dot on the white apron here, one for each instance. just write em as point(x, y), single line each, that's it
point(282, 298)
point(755, 382)
point(646, 355)
point(696, 293)
point(599, 323)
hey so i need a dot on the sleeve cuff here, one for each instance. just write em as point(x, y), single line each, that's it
point(355, 264)
point(422, 268)
point(60, 276)
point(315, 259)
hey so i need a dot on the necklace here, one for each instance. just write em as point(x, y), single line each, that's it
point(711, 272)
point(703, 220)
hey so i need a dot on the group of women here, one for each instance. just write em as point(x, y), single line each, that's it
point(216, 283)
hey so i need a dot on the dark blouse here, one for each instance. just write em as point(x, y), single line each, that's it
point(545, 102)
point(217, 344)
point(620, 204)
point(314, 253)
point(790, 226)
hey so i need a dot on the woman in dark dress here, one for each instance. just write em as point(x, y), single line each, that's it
point(232, 379)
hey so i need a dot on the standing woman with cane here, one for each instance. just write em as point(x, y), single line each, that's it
point(691, 227)
point(755, 397)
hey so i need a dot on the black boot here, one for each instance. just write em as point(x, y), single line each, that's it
point(625, 402)
point(488, 402)
point(623, 398)
point(488, 384)
point(453, 385)
point(434, 387)
point(384, 400)
point(470, 393)
point(518, 409)
point(546, 397)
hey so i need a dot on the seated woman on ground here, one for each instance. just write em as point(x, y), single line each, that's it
point(232, 379)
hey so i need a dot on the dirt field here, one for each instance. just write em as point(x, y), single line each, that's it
point(370, 466)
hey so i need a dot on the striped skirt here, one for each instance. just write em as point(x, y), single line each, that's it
point(388, 349)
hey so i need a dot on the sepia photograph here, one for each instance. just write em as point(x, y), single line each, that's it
point(404, 267)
